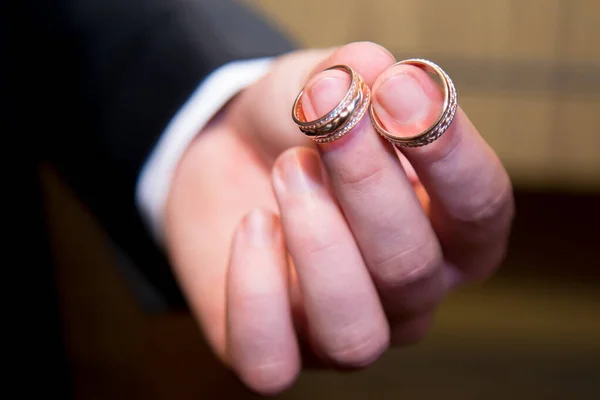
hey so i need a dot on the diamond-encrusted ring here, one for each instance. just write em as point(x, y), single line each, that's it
point(339, 121)
point(437, 129)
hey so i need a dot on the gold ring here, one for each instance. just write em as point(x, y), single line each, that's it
point(343, 117)
point(437, 129)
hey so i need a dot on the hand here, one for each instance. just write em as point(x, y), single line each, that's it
point(377, 238)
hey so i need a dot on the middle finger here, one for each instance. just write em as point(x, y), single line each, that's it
point(392, 230)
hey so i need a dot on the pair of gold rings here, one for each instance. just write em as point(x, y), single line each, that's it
point(348, 113)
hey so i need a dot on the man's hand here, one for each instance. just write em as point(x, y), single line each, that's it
point(349, 246)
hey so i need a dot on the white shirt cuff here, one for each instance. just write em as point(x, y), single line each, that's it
point(215, 91)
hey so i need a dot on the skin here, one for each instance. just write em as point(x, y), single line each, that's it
point(287, 250)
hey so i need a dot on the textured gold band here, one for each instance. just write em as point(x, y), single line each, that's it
point(342, 118)
point(437, 129)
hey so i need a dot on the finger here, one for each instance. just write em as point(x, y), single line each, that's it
point(345, 319)
point(261, 344)
point(198, 232)
point(471, 194)
point(386, 218)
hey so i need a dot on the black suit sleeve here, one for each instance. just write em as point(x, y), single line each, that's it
point(101, 79)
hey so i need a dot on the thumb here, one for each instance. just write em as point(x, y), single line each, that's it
point(262, 113)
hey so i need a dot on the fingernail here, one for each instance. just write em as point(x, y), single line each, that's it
point(324, 92)
point(402, 99)
point(259, 227)
point(298, 172)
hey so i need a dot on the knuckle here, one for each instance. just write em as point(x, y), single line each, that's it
point(361, 177)
point(486, 207)
point(270, 377)
point(410, 264)
point(359, 349)
point(315, 245)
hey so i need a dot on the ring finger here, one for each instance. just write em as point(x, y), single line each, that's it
point(346, 322)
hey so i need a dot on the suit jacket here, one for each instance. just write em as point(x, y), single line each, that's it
point(89, 85)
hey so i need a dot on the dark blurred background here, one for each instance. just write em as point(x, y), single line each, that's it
point(528, 74)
